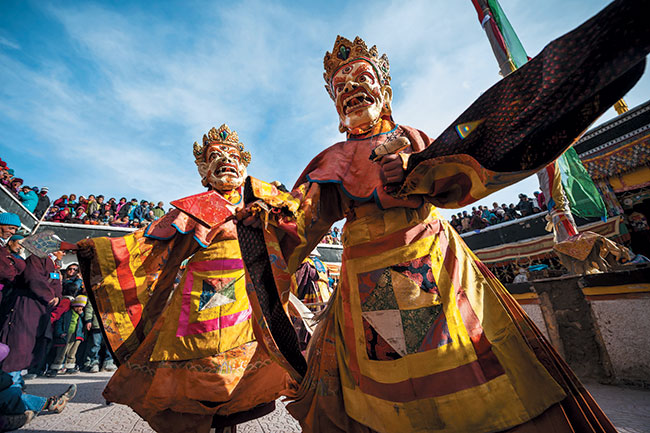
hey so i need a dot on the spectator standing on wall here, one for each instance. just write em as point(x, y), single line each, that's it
point(43, 203)
point(100, 205)
point(465, 221)
point(127, 209)
point(61, 201)
point(488, 216)
point(140, 211)
point(541, 200)
point(5, 176)
point(92, 206)
point(525, 206)
point(159, 210)
point(455, 223)
point(16, 184)
point(512, 211)
point(336, 234)
point(499, 211)
point(114, 205)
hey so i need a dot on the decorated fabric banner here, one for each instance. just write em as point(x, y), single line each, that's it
point(42, 244)
point(584, 198)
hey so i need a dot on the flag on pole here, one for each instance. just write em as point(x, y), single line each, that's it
point(580, 190)
point(584, 198)
point(507, 47)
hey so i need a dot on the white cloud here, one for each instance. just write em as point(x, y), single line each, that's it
point(6, 42)
point(130, 89)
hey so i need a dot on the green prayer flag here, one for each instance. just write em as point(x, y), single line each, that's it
point(515, 48)
point(584, 198)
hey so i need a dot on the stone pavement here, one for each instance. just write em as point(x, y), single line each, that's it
point(629, 410)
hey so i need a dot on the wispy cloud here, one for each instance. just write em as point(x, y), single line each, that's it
point(9, 43)
point(118, 102)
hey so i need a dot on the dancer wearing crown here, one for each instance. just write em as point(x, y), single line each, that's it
point(420, 336)
point(187, 351)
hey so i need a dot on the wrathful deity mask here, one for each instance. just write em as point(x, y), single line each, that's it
point(358, 81)
point(221, 160)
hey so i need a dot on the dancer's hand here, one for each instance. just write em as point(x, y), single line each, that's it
point(392, 171)
point(247, 217)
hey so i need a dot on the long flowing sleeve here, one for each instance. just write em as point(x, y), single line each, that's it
point(129, 279)
point(529, 118)
point(295, 223)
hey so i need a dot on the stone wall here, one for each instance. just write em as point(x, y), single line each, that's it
point(625, 328)
point(599, 323)
point(535, 313)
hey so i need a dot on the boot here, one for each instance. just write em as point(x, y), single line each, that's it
point(58, 403)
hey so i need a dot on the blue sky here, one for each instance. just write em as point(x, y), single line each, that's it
point(108, 97)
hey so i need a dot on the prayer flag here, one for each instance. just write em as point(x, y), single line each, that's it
point(584, 198)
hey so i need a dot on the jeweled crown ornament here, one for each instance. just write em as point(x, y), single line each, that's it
point(223, 135)
point(346, 51)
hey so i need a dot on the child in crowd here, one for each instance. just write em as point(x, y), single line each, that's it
point(68, 335)
point(95, 345)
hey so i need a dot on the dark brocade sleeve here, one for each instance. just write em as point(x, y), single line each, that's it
point(530, 117)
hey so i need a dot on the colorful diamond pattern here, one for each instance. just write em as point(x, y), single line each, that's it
point(401, 310)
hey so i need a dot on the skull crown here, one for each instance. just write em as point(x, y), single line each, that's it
point(223, 135)
point(345, 51)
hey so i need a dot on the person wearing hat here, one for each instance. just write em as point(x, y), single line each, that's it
point(72, 279)
point(541, 200)
point(6, 174)
point(525, 206)
point(11, 265)
point(15, 246)
point(28, 198)
point(43, 203)
point(15, 185)
point(18, 408)
point(27, 328)
point(68, 335)
point(9, 223)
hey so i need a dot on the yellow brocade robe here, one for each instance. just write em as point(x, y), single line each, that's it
point(419, 336)
point(186, 349)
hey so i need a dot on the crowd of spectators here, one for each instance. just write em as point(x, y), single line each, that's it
point(44, 320)
point(96, 210)
point(93, 210)
point(482, 216)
